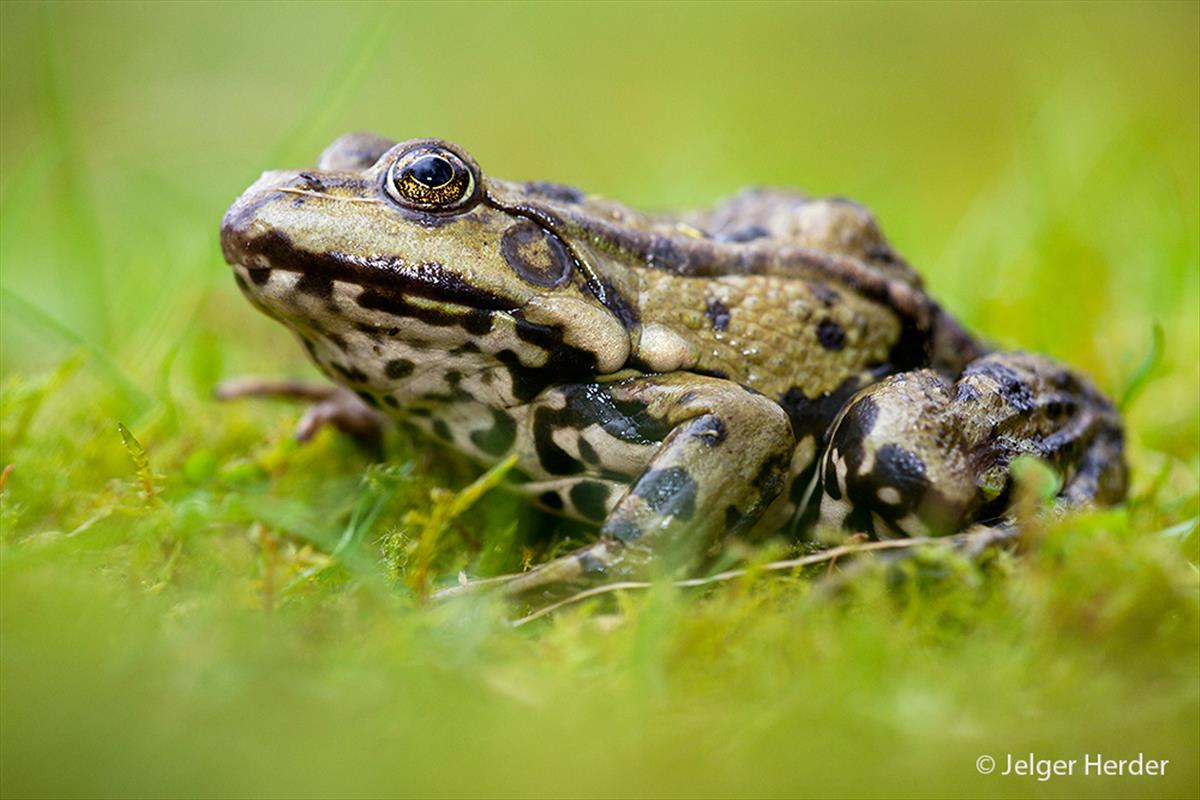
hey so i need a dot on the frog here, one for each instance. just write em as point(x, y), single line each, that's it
point(676, 382)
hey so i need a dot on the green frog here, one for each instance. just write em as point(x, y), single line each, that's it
point(768, 363)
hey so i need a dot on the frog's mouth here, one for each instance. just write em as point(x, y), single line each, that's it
point(257, 240)
point(260, 255)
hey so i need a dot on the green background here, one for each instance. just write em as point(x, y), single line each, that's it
point(1038, 163)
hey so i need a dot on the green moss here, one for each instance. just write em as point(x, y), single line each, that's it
point(204, 607)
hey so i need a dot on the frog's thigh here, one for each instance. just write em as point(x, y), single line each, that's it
point(724, 458)
point(918, 454)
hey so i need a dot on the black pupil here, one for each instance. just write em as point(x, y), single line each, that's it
point(432, 171)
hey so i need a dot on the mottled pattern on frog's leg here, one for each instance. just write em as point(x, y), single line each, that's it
point(587, 499)
point(918, 455)
point(723, 461)
point(812, 419)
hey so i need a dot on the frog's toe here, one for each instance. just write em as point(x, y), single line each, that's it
point(328, 405)
point(346, 412)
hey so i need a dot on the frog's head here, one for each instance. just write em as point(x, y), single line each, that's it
point(402, 252)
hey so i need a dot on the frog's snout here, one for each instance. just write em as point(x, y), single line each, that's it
point(243, 221)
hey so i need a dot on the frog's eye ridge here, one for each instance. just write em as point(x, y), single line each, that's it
point(431, 177)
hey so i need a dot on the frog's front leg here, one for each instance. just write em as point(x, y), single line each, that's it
point(918, 454)
point(723, 459)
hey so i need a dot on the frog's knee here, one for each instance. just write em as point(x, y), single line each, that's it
point(891, 468)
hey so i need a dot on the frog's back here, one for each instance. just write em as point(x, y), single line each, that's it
point(792, 296)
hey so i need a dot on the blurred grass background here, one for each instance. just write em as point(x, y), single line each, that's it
point(1038, 162)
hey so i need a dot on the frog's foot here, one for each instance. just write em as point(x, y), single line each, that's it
point(918, 455)
point(329, 405)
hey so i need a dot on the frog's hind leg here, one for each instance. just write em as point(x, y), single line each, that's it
point(328, 405)
point(918, 454)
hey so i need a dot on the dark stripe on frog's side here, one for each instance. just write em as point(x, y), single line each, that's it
point(386, 273)
point(473, 320)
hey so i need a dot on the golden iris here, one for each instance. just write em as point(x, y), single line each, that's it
point(431, 178)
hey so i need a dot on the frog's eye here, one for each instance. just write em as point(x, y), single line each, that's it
point(431, 178)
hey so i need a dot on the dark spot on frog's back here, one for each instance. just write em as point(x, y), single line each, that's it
point(831, 335)
point(536, 255)
point(884, 255)
point(717, 313)
point(558, 192)
point(746, 234)
point(1010, 385)
point(824, 293)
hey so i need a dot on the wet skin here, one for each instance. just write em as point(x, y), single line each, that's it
point(769, 362)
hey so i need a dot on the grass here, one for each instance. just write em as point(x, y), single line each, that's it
point(193, 604)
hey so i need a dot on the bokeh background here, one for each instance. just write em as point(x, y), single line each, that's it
point(1039, 163)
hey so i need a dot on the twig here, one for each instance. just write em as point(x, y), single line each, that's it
point(977, 542)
